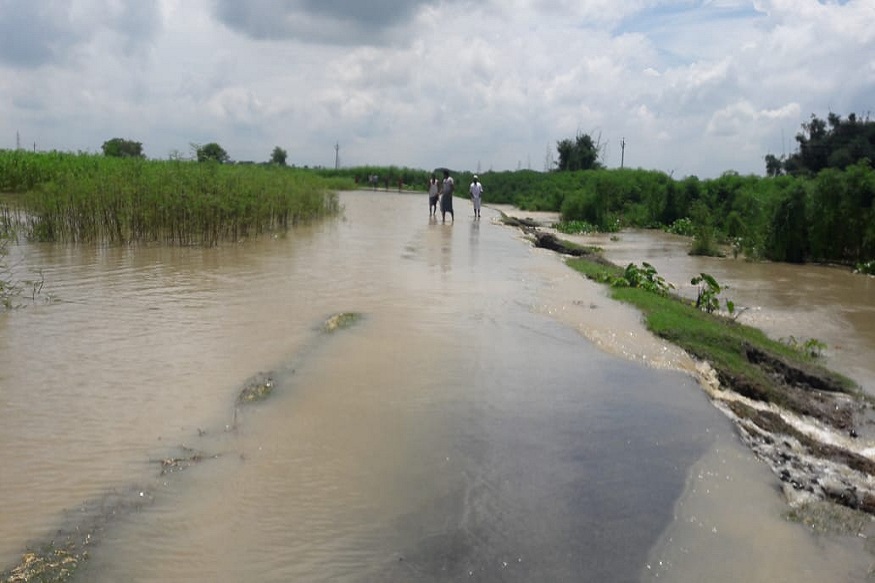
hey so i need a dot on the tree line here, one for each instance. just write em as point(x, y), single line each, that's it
point(828, 217)
point(831, 143)
point(211, 152)
point(817, 204)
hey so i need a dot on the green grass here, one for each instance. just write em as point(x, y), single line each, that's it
point(83, 198)
point(717, 339)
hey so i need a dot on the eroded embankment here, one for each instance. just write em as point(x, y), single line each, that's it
point(810, 425)
point(58, 557)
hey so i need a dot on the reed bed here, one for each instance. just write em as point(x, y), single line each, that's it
point(83, 198)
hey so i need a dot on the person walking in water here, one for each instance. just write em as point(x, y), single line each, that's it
point(476, 189)
point(447, 189)
point(433, 192)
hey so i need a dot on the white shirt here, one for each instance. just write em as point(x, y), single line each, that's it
point(476, 189)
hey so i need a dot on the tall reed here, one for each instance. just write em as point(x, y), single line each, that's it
point(87, 198)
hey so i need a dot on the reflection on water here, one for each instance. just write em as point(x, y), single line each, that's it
point(473, 240)
point(456, 432)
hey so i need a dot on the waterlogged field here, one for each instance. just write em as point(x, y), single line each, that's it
point(87, 198)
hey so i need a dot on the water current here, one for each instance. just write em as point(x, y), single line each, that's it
point(492, 417)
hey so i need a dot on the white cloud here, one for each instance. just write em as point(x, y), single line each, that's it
point(694, 86)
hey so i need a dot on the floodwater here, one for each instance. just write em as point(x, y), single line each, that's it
point(492, 417)
point(826, 303)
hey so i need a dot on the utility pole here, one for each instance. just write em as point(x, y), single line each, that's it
point(622, 152)
point(17, 141)
point(337, 156)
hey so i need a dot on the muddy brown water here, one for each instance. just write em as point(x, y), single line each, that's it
point(493, 417)
point(827, 303)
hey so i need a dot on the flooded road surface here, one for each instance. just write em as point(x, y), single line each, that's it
point(468, 427)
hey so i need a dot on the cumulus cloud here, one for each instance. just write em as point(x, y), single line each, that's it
point(694, 86)
point(345, 22)
point(34, 34)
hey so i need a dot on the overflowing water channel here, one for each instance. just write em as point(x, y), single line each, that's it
point(491, 417)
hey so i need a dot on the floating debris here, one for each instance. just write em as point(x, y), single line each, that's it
point(524, 223)
point(50, 563)
point(257, 389)
point(340, 321)
point(57, 560)
point(176, 464)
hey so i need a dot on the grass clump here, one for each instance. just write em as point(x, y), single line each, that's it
point(576, 227)
point(867, 268)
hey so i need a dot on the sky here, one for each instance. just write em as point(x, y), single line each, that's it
point(687, 87)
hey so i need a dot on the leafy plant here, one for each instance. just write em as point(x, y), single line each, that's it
point(682, 226)
point(644, 277)
point(811, 348)
point(706, 298)
point(737, 244)
point(575, 227)
point(867, 268)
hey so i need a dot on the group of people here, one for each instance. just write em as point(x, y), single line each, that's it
point(443, 191)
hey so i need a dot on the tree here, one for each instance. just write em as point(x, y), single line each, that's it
point(788, 231)
point(212, 152)
point(119, 148)
point(831, 143)
point(581, 154)
point(774, 165)
point(278, 156)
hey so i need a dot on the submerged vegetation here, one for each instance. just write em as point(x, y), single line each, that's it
point(83, 198)
point(341, 321)
point(13, 289)
point(258, 388)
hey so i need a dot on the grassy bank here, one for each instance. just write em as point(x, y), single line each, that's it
point(86, 198)
point(800, 418)
point(745, 359)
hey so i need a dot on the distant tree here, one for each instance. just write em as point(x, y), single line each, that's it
point(787, 238)
point(774, 165)
point(119, 148)
point(831, 143)
point(278, 156)
point(580, 154)
point(212, 152)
